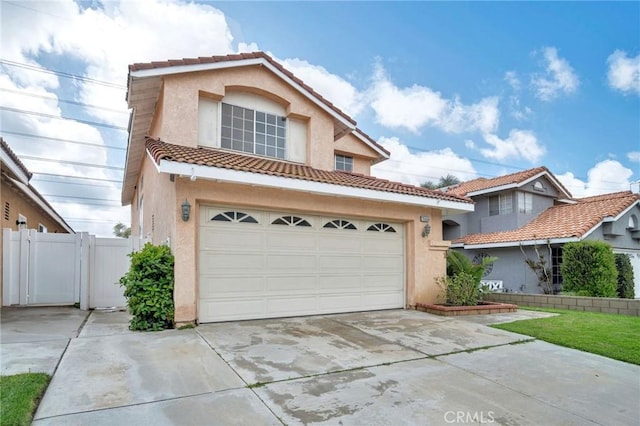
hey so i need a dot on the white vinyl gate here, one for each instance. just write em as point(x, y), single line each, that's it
point(63, 269)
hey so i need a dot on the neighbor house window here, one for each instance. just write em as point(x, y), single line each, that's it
point(500, 204)
point(525, 202)
point(251, 131)
point(42, 228)
point(344, 163)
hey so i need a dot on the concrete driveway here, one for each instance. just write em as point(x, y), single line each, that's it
point(378, 368)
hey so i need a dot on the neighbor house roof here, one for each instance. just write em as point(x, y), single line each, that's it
point(145, 81)
point(208, 159)
point(560, 223)
point(500, 183)
point(20, 177)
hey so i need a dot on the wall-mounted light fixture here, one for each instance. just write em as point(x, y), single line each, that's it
point(427, 228)
point(186, 210)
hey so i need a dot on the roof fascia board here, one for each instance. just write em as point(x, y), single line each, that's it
point(493, 189)
point(15, 169)
point(553, 180)
point(48, 210)
point(178, 69)
point(248, 178)
point(519, 243)
point(371, 145)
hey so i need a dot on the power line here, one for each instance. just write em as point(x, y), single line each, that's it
point(61, 74)
point(29, 135)
point(86, 202)
point(77, 177)
point(78, 198)
point(71, 183)
point(73, 163)
point(65, 101)
point(56, 117)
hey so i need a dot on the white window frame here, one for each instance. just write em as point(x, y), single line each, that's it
point(343, 163)
point(42, 228)
point(22, 220)
point(270, 148)
point(525, 202)
point(505, 204)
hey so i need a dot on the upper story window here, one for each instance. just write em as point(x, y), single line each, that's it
point(501, 204)
point(344, 163)
point(255, 132)
point(525, 202)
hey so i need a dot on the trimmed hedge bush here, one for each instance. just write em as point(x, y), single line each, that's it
point(589, 269)
point(625, 276)
point(149, 288)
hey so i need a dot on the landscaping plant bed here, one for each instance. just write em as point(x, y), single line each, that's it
point(480, 309)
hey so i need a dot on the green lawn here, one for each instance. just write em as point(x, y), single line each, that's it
point(610, 335)
point(19, 397)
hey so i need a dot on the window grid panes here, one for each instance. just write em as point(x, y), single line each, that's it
point(344, 163)
point(525, 202)
point(500, 204)
point(251, 131)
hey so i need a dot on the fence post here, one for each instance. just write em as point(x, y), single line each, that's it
point(84, 269)
point(7, 255)
point(23, 271)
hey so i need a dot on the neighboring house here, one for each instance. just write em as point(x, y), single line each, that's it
point(262, 189)
point(518, 213)
point(22, 206)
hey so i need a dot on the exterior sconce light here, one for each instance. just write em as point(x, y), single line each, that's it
point(427, 228)
point(186, 210)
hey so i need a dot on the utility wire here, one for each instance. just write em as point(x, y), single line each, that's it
point(71, 183)
point(56, 117)
point(29, 135)
point(73, 163)
point(79, 198)
point(65, 101)
point(78, 177)
point(61, 74)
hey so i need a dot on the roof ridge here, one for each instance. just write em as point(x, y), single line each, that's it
point(15, 158)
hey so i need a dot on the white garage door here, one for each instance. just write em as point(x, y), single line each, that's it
point(256, 264)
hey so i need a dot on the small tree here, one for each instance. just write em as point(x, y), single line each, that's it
point(447, 180)
point(625, 276)
point(462, 284)
point(121, 230)
point(541, 268)
point(589, 269)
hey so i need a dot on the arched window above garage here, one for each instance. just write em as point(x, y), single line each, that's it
point(290, 221)
point(381, 227)
point(340, 224)
point(233, 216)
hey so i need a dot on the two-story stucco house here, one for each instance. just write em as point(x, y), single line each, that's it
point(262, 189)
point(519, 212)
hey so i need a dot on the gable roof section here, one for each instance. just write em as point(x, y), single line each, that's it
point(514, 180)
point(145, 80)
point(560, 223)
point(235, 167)
point(20, 180)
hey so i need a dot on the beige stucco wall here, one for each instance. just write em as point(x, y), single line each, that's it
point(177, 110)
point(424, 256)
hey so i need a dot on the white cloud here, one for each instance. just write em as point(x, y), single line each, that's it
point(559, 77)
point(634, 156)
point(417, 168)
point(417, 106)
point(332, 87)
point(605, 177)
point(511, 77)
point(520, 144)
point(624, 72)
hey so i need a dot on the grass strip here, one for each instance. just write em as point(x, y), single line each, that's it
point(610, 335)
point(19, 397)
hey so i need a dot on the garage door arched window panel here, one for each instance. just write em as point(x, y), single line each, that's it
point(340, 224)
point(291, 221)
point(381, 227)
point(234, 216)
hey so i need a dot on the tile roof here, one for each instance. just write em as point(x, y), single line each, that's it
point(561, 221)
point(212, 157)
point(480, 184)
point(14, 157)
point(244, 56)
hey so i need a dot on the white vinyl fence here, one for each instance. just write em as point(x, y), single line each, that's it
point(63, 269)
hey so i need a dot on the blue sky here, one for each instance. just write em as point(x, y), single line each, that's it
point(469, 89)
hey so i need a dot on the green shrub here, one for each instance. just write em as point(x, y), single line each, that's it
point(625, 276)
point(149, 288)
point(458, 262)
point(460, 290)
point(589, 268)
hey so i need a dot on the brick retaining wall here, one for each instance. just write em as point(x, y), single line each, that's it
point(591, 304)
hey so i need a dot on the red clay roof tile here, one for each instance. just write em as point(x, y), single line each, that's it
point(212, 157)
point(561, 221)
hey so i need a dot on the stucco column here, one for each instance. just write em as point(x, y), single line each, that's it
point(185, 252)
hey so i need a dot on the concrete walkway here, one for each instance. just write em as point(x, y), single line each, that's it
point(378, 368)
